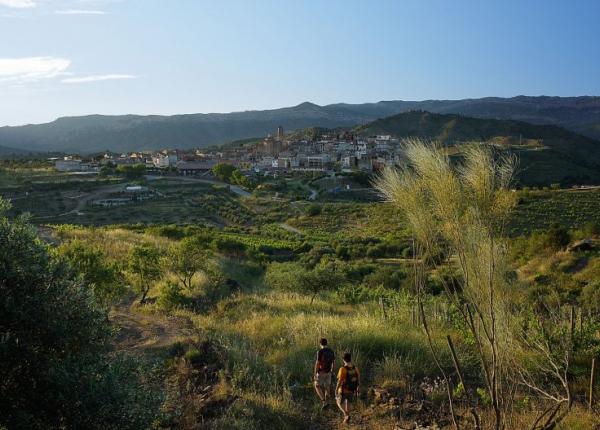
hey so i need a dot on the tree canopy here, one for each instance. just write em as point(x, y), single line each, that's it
point(54, 345)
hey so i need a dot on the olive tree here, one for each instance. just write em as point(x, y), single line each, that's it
point(297, 278)
point(144, 267)
point(187, 258)
point(104, 277)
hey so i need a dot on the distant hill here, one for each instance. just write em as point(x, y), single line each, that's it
point(132, 132)
point(5, 151)
point(94, 133)
point(547, 153)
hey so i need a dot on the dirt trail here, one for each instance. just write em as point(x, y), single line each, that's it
point(145, 332)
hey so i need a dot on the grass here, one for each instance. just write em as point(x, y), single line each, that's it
point(280, 331)
point(268, 339)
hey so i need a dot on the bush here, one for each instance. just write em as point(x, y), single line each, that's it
point(101, 275)
point(590, 296)
point(55, 358)
point(297, 278)
point(387, 276)
point(229, 246)
point(557, 237)
point(313, 210)
point(170, 297)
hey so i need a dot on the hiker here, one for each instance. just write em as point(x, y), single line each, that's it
point(322, 371)
point(348, 385)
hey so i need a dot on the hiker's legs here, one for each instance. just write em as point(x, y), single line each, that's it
point(339, 402)
point(323, 386)
point(346, 412)
point(326, 385)
point(319, 391)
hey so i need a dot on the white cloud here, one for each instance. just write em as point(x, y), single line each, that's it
point(79, 12)
point(96, 78)
point(17, 4)
point(31, 69)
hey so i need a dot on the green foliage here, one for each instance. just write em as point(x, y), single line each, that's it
point(229, 246)
point(354, 294)
point(557, 237)
point(590, 296)
point(187, 258)
point(170, 296)
point(132, 171)
point(106, 170)
point(90, 262)
point(484, 397)
point(224, 171)
point(387, 276)
point(313, 209)
point(297, 278)
point(144, 268)
point(57, 370)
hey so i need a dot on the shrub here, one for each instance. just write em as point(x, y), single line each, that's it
point(297, 278)
point(557, 237)
point(55, 358)
point(170, 297)
point(590, 296)
point(101, 275)
point(313, 210)
point(387, 276)
point(229, 246)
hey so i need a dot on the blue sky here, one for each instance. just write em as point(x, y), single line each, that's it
point(75, 57)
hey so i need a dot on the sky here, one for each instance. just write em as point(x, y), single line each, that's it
point(78, 57)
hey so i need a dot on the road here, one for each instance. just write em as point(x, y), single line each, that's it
point(85, 198)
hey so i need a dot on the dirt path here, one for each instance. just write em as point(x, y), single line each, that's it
point(145, 332)
point(291, 229)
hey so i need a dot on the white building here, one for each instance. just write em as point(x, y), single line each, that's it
point(164, 160)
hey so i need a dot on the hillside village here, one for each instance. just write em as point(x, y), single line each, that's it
point(275, 155)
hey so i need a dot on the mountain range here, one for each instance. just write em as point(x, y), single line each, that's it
point(94, 133)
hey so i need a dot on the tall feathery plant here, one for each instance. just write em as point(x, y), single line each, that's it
point(460, 212)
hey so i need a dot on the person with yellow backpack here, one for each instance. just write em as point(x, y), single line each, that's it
point(348, 385)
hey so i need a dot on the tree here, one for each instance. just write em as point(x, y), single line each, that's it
point(56, 363)
point(105, 171)
point(187, 258)
point(144, 267)
point(223, 171)
point(103, 276)
point(134, 171)
point(297, 278)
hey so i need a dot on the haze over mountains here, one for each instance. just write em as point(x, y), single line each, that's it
point(88, 134)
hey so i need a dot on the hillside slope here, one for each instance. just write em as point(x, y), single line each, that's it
point(134, 132)
point(547, 153)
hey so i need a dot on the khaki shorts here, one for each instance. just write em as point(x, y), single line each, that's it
point(323, 379)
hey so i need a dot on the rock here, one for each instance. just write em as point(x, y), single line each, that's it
point(582, 245)
point(380, 395)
